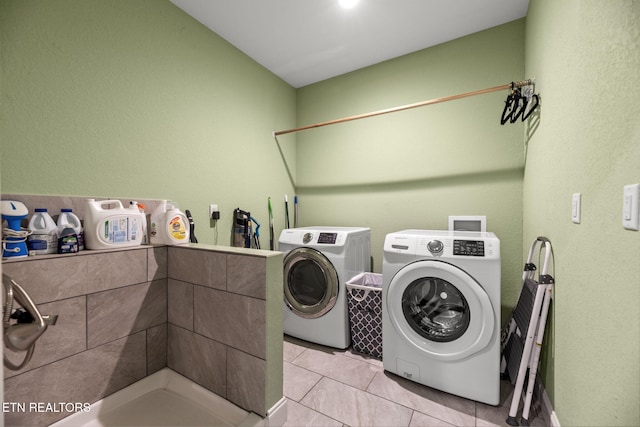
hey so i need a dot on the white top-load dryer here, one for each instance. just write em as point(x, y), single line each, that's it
point(441, 311)
point(318, 262)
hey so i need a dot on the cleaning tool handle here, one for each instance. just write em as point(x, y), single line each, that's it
point(271, 242)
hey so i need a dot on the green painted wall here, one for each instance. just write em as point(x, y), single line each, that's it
point(136, 99)
point(412, 169)
point(127, 98)
point(585, 55)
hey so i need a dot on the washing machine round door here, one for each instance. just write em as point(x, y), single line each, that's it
point(440, 309)
point(310, 283)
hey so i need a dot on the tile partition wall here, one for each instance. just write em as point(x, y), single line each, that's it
point(211, 313)
point(228, 304)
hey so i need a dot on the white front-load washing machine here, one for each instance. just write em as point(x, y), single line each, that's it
point(318, 262)
point(441, 311)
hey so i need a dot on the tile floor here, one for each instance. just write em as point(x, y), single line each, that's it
point(329, 387)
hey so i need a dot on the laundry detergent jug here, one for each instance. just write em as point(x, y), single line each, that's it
point(109, 225)
point(169, 225)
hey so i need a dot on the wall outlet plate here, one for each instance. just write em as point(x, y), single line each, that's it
point(630, 207)
point(212, 209)
point(576, 202)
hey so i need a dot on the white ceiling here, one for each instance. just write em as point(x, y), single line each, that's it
point(306, 41)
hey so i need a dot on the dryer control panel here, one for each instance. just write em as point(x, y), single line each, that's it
point(468, 247)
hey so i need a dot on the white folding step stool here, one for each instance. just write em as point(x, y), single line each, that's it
point(525, 329)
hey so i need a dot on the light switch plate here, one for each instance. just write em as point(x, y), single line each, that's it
point(630, 207)
point(575, 208)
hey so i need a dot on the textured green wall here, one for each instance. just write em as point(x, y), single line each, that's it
point(585, 55)
point(412, 169)
point(127, 98)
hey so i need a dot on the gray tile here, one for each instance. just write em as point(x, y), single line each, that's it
point(292, 348)
point(120, 312)
point(180, 304)
point(298, 381)
point(246, 381)
point(451, 409)
point(232, 319)
point(421, 420)
point(156, 348)
point(65, 338)
point(157, 262)
point(85, 377)
point(335, 365)
point(200, 359)
point(355, 407)
point(299, 415)
point(116, 269)
point(199, 267)
point(246, 275)
point(364, 358)
point(52, 279)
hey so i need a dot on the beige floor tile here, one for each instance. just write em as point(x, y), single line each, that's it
point(298, 381)
point(421, 420)
point(301, 416)
point(443, 406)
point(364, 358)
point(338, 367)
point(292, 348)
point(355, 407)
point(388, 400)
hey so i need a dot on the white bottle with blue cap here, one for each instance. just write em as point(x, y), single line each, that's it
point(44, 233)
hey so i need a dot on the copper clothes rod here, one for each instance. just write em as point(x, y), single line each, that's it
point(511, 85)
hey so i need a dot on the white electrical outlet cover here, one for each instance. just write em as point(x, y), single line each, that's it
point(630, 207)
point(575, 208)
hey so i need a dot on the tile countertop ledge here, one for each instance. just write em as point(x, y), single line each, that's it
point(199, 246)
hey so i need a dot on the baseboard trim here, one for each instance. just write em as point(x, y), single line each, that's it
point(277, 415)
point(548, 413)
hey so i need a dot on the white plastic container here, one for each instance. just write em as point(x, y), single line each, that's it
point(109, 225)
point(140, 208)
point(68, 219)
point(169, 225)
point(44, 234)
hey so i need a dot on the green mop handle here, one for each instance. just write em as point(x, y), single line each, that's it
point(271, 246)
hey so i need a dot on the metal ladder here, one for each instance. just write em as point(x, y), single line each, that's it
point(522, 340)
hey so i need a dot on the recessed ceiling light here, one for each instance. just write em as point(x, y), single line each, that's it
point(348, 4)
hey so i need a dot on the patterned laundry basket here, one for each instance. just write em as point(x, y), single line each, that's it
point(364, 299)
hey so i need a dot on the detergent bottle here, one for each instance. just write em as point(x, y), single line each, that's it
point(169, 225)
point(109, 225)
point(44, 233)
point(143, 215)
point(67, 225)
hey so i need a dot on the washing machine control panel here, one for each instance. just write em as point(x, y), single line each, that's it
point(327, 238)
point(443, 244)
point(322, 238)
point(468, 247)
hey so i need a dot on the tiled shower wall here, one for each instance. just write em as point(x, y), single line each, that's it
point(210, 314)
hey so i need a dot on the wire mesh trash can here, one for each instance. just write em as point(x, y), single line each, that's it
point(364, 299)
